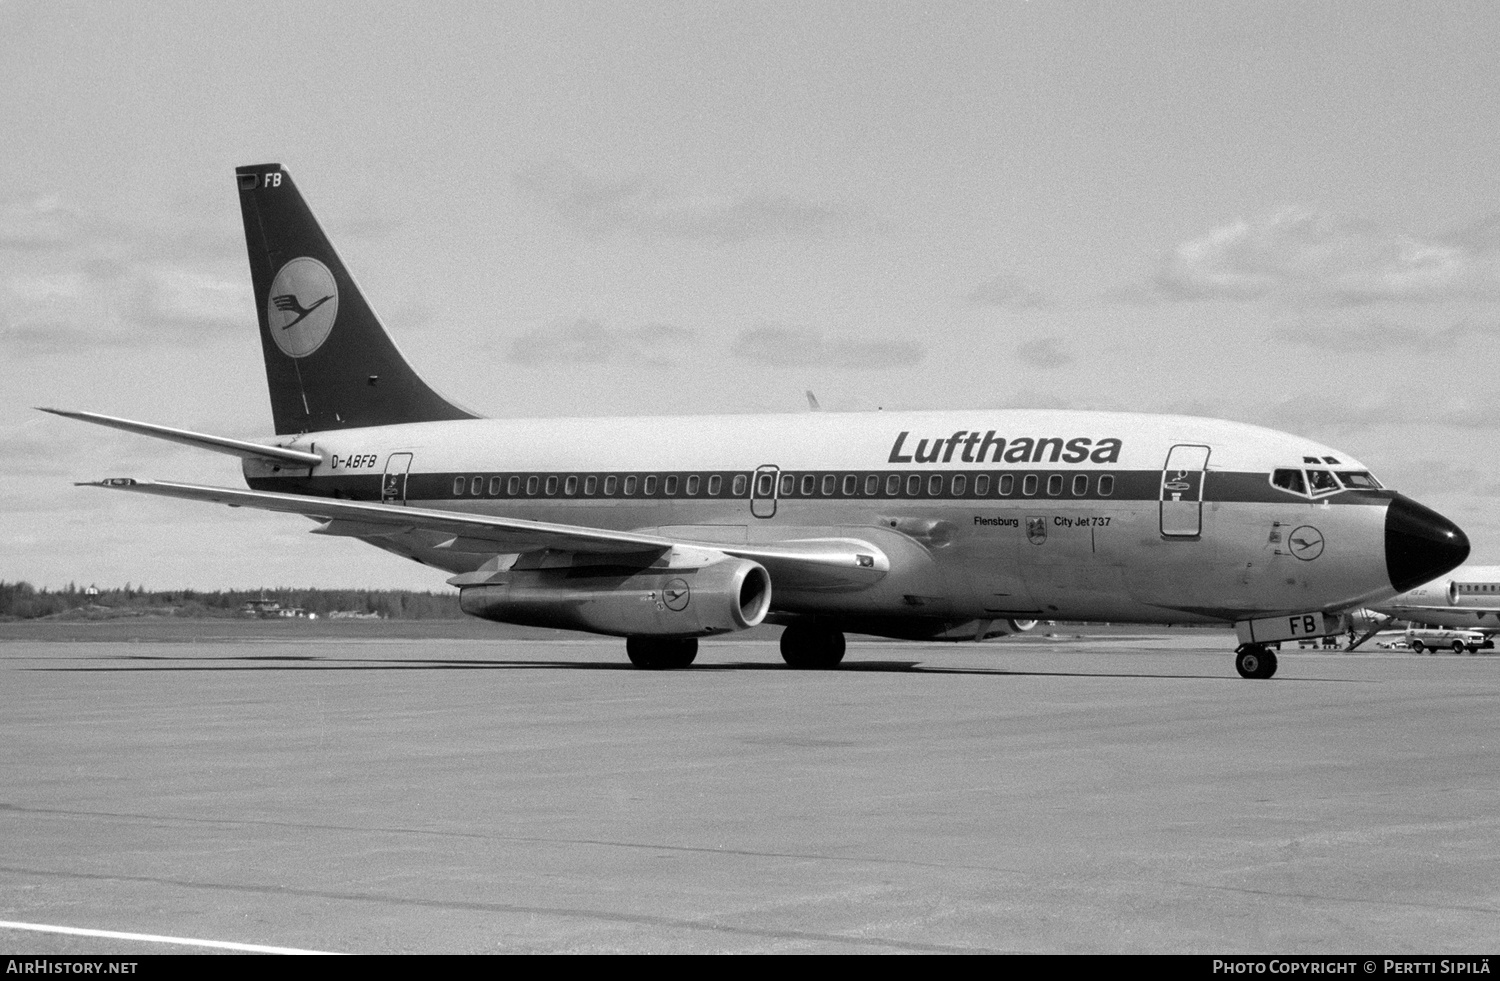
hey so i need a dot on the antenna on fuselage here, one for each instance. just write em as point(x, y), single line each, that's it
point(812, 402)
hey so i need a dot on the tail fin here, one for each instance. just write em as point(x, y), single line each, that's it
point(329, 362)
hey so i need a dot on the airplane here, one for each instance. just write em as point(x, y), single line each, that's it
point(934, 525)
point(1466, 598)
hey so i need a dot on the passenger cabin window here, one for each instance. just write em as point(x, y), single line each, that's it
point(630, 486)
point(829, 482)
point(741, 482)
point(872, 485)
point(1028, 486)
point(513, 486)
point(788, 485)
point(1106, 485)
point(551, 486)
point(715, 484)
point(982, 485)
point(960, 483)
point(476, 486)
point(570, 486)
point(1080, 485)
point(649, 488)
point(590, 484)
point(458, 486)
point(610, 484)
point(1054, 485)
point(1007, 484)
point(935, 485)
point(893, 485)
point(669, 486)
point(533, 483)
point(692, 486)
point(851, 485)
point(809, 483)
point(494, 486)
point(914, 486)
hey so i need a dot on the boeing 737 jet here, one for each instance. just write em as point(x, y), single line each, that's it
point(946, 525)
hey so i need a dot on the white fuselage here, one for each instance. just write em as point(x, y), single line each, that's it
point(1467, 597)
point(983, 515)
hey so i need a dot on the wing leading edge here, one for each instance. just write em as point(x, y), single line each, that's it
point(827, 563)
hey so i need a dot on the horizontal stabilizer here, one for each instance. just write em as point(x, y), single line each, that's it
point(218, 444)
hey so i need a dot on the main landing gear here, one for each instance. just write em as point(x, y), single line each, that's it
point(811, 646)
point(1255, 661)
point(661, 652)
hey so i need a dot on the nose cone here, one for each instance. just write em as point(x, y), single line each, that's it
point(1420, 544)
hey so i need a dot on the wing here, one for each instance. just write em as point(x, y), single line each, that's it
point(833, 564)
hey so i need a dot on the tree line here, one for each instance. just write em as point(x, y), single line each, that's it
point(23, 601)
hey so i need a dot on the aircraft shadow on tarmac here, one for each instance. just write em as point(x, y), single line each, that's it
point(304, 662)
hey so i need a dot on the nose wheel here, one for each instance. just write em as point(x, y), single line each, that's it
point(1255, 661)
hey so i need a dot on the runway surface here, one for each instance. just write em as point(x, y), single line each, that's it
point(1116, 794)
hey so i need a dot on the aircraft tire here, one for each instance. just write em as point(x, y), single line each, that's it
point(1254, 661)
point(811, 647)
point(661, 653)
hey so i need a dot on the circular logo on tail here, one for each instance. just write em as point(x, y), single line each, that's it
point(302, 307)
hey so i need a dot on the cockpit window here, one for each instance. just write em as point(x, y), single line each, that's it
point(1358, 480)
point(1321, 482)
point(1289, 480)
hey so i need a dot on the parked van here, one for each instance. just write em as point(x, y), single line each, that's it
point(1421, 639)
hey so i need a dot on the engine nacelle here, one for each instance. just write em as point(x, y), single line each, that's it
point(715, 598)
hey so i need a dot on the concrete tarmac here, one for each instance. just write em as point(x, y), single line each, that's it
point(1114, 794)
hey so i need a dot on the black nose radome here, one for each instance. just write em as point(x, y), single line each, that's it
point(1420, 544)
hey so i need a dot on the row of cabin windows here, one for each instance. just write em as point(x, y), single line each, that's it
point(791, 485)
point(612, 485)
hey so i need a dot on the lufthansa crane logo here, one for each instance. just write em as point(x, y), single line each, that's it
point(1306, 543)
point(676, 594)
point(302, 306)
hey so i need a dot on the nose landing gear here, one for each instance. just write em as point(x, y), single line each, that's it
point(1254, 661)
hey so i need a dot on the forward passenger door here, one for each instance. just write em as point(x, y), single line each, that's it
point(1182, 491)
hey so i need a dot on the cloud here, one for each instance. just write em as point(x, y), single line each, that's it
point(1296, 256)
point(785, 346)
point(1380, 334)
point(1044, 352)
point(70, 279)
point(654, 209)
point(1008, 291)
point(1340, 408)
point(584, 341)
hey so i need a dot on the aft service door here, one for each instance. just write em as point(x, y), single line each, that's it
point(393, 484)
point(763, 491)
point(1182, 491)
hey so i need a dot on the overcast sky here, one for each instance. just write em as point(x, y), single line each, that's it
point(1284, 213)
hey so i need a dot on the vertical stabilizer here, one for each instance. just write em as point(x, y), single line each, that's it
point(329, 362)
